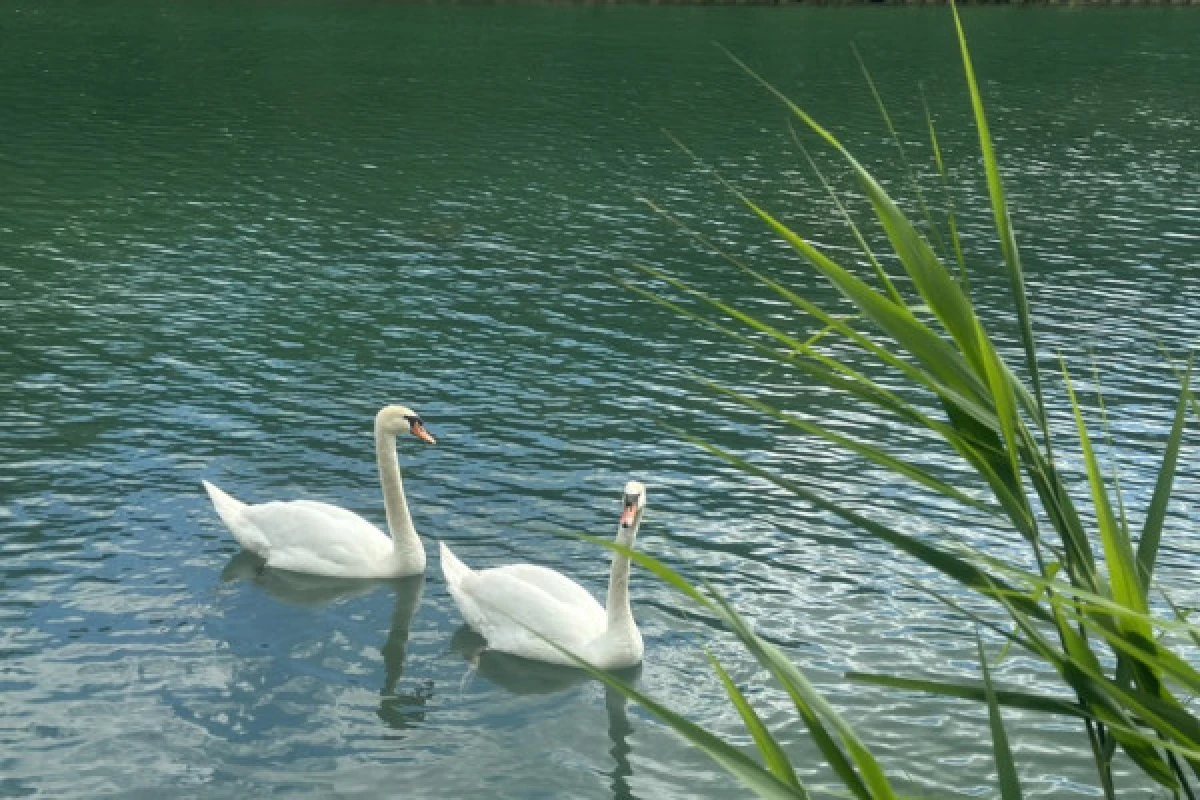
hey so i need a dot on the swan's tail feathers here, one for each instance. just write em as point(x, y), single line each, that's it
point(231, 511)
point(455, 571)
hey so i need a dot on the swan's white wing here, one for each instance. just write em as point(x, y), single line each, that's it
point(507, 610)
point(555, 584)
point(307, 536)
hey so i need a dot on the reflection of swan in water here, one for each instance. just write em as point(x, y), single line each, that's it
point(525, 676)
point(294, 588)
point(618, 731)
point(401, 710)
point(396, 709)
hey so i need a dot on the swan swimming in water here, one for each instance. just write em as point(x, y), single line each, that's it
point(514, 606)
point(322, 539)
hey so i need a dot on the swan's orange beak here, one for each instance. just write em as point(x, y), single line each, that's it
point(418, 430)
point(627, 515)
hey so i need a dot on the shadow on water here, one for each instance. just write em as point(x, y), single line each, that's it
point(398, 709)
point(523, 676)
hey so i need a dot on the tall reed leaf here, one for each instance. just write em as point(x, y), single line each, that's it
point(965, 691)
point(1147, 551)
point(752, 775)
point(951, 220)
point(768, 747)
point(815, 710)
point(1010, 785)
point(817, 714)
point(936, 286)
point(1004, 229)
point(952, 565)
point(1118, 552)
point(871, 453)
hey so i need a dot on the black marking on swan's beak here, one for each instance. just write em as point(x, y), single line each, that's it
point(417, 428)
point(629, 512)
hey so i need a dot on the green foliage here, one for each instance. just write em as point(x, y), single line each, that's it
point(1087, 617)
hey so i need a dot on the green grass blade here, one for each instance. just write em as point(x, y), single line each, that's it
point(1007, 466)
point(1010, 784)
point(1182, 616)
point(1147, 550)
point(1080, 563)
point(1004, 229)
point(1146, 651)
point(951, 397)
point(746, 319)
point(751, 774)
point(825, 370)
point(870, 452)
point(1118, 553)
point(951, 219)
point(1095, 693)
point(904, 162)
point(776, 760)
point(816, 711)
point(884, 278)
point(957, 568)
point(898, 321)
point(859, 385)
point(1025, 701)
point(936, 286)
point(1103, 698)
point(934, 354)
point(808, 702)
point(1084, 601)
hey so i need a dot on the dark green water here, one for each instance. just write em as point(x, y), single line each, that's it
point(229, 233)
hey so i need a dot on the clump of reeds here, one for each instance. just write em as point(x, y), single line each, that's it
point(1084, 612)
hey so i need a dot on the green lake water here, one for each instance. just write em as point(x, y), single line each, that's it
point(230, 232)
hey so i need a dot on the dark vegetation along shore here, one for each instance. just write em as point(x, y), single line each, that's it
point(834, 2)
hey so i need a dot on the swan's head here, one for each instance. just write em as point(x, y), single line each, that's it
point(633, 503)
point(400, 420)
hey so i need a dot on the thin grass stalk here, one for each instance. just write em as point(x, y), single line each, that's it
point(874, 454)
point(1147, 550)
point(1010, 784)
point(1118, 553)
point(890, 287)
point(827, 728)
point(951, 221)
point(776, 760)
point(904, 162)
point(941, 292)
point(1004, 229)
point(957, 568)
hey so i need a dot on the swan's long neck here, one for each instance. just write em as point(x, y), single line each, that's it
point(400, 525)
point(620, 615)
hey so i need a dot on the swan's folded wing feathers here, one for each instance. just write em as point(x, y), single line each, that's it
point(514, 616)
point(557, 585)
point(306, 536)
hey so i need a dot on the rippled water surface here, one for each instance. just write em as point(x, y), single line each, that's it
point(228, 234)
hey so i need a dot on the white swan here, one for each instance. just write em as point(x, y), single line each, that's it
point(514, 607)
point(321, 539)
